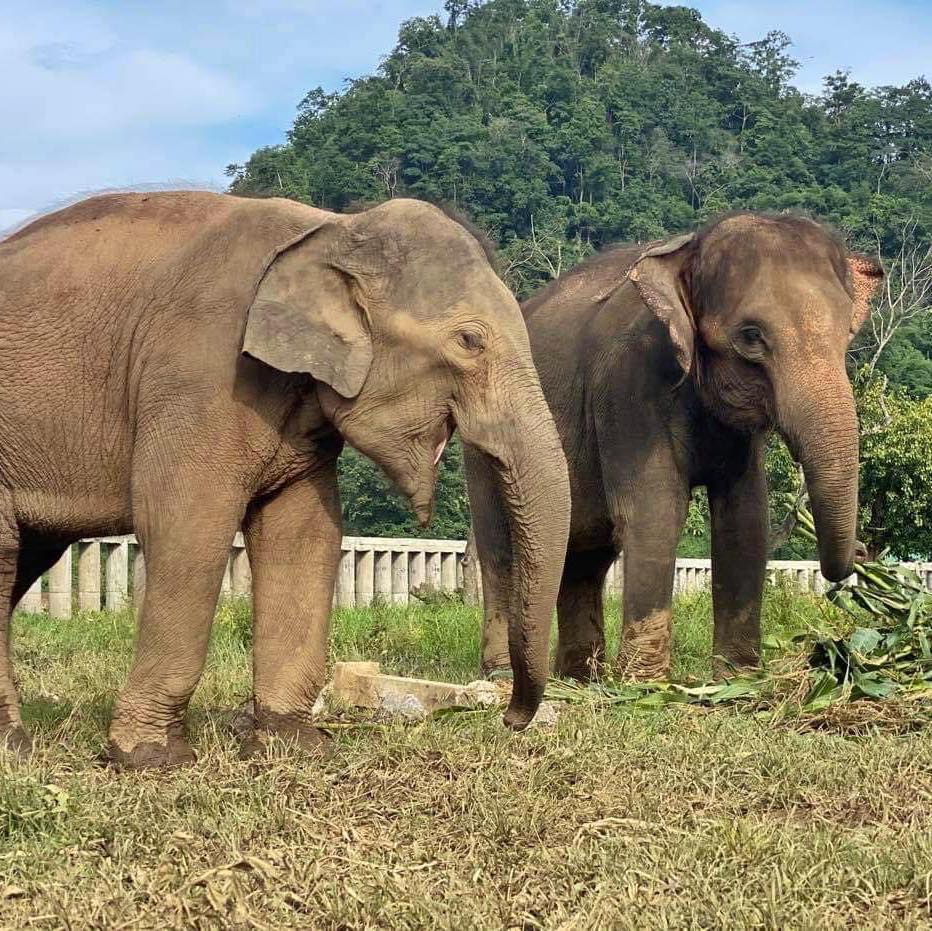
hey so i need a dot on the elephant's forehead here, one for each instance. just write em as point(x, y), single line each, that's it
point(415, 333)
point(421, 326)
point(457, 283)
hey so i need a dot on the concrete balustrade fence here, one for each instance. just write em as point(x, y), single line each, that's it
point(695, 574)
point(109, 572)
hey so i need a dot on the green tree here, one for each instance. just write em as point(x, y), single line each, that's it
point(373, 508)
point(564, 125)
point(896, 470)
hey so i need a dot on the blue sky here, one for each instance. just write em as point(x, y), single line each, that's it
point(122, 93)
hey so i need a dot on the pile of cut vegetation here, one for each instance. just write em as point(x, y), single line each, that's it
point(820, 677)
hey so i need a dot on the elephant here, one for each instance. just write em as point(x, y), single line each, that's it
point(186, 364)
point(667, 367)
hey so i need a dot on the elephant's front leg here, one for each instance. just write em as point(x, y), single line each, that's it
point(293, 541)
point(580, 614)
point(654, 522)
point(740, 530)
point(493, 544)
point(186, 538)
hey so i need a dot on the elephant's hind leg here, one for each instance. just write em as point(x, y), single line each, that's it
point(186, 531)
point(12, 734)
point(580, 614)
point(32, 558)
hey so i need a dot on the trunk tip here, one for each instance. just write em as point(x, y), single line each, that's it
point(520, 713)
point(518, 719)
point(837, 569)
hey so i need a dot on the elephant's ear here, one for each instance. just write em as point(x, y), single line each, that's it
point(305, 316)
point(659, 276)
point(866, 275)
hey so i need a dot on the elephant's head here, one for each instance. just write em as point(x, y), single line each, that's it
point(408, 332)
point(760, 310)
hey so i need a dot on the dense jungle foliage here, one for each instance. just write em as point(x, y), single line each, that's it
point(564, 125)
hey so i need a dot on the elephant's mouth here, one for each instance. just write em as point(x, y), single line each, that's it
point(444, 434)
point(422, 498)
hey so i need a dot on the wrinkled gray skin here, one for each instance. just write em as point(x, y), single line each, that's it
point(666, 369)
point(185, 364)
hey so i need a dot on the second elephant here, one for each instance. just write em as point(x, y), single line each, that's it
point(666, 368)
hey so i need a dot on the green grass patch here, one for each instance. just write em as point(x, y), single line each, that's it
point(620, 818)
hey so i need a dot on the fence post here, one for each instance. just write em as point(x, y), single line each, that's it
point(383, 575)
point(400, 577)
point(448, 572)
point(60, 586)
point(417, 570)
point(139, 577)
point(89, 576)
point(241, 574)
point(346, 580)
point(32, 600)
point(608, 586)
point(432, 579)
point(226, 583)
point(116, 572)
point(365, 577)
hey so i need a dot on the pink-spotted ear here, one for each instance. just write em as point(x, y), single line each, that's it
point(866, 274)
point(659, 276)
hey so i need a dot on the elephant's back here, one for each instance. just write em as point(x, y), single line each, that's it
point(112, 236)
point(109, 292)
point(581, 290)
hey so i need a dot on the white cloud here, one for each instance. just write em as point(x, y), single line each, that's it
point(46, 181)
point(880, 43)
point(85, 108)
point(111, 94)
point(69, 90)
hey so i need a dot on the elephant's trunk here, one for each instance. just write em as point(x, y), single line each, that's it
point(821, 429)
point(517, 462)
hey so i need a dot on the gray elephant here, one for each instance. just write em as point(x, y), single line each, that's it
point(185, 364)
point(666, 368)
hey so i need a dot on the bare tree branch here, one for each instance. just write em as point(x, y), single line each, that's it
point(905, 296)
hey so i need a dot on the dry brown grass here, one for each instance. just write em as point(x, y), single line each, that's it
point(676, 818)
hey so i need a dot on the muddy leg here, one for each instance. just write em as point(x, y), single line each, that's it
point(580, 615)
point(651, 537)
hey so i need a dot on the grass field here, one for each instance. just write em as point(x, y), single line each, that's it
point(674, 818)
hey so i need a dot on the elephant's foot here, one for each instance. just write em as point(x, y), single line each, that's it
point(645, 649)
point(133, 746)
point(152, 755)
point(15, 740)
point(735, 663)
point(292, 728)
point(584, 662)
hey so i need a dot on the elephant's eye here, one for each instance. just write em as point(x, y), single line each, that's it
point(470, 340)
point(751, 341)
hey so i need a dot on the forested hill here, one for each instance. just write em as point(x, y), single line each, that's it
point(562, 125)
